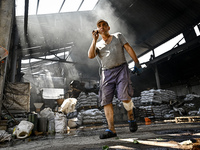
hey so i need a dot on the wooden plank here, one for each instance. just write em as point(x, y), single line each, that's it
point(187, 119)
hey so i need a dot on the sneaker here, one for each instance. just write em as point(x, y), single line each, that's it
point(107, 134)
point(133, 125)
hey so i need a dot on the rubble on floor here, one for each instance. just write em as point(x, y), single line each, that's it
point(153, 104)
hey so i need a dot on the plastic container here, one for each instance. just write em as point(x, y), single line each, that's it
point(34, 119)
point(42, 124)
point(51, 126)
point(147, 121)
point(23, 129)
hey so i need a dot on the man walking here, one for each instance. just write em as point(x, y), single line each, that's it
point(115, 74)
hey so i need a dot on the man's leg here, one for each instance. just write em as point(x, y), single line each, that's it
point(129, 112)
point(110, 132)
point(128, 105)
point(108, 109)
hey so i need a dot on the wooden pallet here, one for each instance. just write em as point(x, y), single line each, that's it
point(187, 119)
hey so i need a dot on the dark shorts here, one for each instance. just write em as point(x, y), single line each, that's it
point(118, 79)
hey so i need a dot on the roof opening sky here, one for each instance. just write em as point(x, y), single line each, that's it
point(54, 6)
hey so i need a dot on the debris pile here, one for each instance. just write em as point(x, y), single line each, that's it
point(5, 136)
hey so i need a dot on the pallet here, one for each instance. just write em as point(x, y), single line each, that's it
point(187, 119)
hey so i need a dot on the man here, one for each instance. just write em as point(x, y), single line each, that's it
point(115, 74)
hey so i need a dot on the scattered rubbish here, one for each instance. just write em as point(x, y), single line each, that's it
point(4, 136)
point(160, 139)
point(106, 147)
point(135, 142)
point(187, 142)
point(147, 121)
point(187, 119)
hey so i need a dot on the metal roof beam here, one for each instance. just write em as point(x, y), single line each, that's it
point(60, 60)
point(26, 16)
point(183, 47)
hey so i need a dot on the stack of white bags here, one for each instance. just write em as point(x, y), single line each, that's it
point(90, 116)
point(136, 101)
point(157, 96)
point(190, 97)
point(86, 100)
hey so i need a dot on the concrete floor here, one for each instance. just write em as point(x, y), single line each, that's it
point(156, 136)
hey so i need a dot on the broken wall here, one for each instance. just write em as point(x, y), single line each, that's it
point(6, 25)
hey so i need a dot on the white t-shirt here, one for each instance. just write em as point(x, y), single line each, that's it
point(112, 54)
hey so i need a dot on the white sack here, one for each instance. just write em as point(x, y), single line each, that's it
point(47, 113)
point(68, 105)
point(60, 123)
point(72, 122)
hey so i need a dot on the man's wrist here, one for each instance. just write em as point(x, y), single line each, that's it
point(137, 64)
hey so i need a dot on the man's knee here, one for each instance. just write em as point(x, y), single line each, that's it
point(128, 105)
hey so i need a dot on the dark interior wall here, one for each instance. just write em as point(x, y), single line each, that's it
point(181, 71)
point(182, 68)
point(144, 81)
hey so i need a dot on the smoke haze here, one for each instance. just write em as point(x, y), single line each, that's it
point(56, 31)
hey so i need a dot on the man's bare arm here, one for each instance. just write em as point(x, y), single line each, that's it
point(92, 49)
point(131, 52)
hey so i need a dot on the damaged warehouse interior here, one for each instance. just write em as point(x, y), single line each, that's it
point(50, 86)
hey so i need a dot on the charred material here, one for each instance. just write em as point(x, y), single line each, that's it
point(77, 87)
